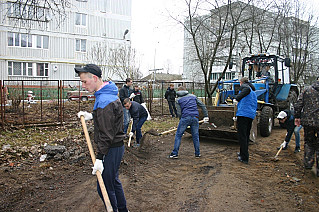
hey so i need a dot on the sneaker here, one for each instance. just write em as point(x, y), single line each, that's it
point(241, 160)
point(136, 145)
point(173, 156)
point(198, 156)
point(297, 149)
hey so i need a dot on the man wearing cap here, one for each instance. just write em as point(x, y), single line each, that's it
point(307, 114)
point(287, 120)
point(108, 132)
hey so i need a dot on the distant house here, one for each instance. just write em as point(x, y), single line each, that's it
point(161, 77)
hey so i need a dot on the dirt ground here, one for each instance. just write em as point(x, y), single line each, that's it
point(153, 182)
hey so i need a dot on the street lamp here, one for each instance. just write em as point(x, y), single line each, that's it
point(125, 33)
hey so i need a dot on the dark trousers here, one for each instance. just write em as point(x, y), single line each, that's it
point(311, 135)
point(243, 132)
point(110, 175)
point(138, 128)
point(171, 105)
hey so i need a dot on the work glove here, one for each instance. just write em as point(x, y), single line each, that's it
point(283, 144)
point(235, 102)
point(87, 116)
point(235, 118)
point(206, 120)
point(98, 165)
point(132, 96)
point(131, 134)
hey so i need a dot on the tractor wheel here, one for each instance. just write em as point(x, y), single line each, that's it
point(266, 121)
point(292, 99)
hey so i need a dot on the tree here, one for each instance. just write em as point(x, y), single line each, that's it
point(213, 35)
point(122, 62)
point(27, 13)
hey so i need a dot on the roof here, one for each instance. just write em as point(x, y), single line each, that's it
point(162, 77)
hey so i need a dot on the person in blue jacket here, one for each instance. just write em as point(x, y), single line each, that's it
point(287, 120)
point(139, 115)
point(187, 112)
point(246, 101)
point(108, 132)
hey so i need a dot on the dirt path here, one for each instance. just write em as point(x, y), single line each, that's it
point(153, 182)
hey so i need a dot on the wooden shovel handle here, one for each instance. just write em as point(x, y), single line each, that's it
point(98, 173)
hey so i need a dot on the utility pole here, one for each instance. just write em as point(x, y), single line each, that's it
point(154, 72)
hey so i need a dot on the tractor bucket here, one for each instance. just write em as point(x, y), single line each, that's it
point(221, 125)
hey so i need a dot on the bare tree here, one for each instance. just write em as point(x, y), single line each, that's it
point(27, 13)
point(298, 37)
point(213, 35)
point(122, 62)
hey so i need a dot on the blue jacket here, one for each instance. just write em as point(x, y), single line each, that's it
point(137, 111)
point(108, 119)
point(247, 101)
point(187, 105)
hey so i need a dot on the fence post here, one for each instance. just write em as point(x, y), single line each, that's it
point(2, 101)
point(60, 101)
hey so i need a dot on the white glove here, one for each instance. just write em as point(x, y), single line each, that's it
point(131, 134)
point(87, 116)
point(234, 118)
point(206, 120)
point(132, 96)
point(98, 165)
point(235, 102)
point(283, 144)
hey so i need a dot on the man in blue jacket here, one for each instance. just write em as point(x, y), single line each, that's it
point(139, 115)
point(188, 113)
point(287, 120)
point(108, 132)
point(246, 112)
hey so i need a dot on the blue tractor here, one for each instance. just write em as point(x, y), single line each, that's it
point(270, 75)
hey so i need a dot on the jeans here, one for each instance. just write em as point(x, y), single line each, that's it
point(138, 128)
point(171, 105)
point(183, 124)
point(297, 135)
point(126, 119)
point(243, 132)
point(110, 175)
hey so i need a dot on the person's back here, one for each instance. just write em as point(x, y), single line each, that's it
point(187, 103)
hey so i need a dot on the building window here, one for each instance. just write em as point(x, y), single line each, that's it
point(80, 45)
point(19, 69)
point(42, 69)
point(17, 39)
point(42, 42)
point(21, 10)
point(80, 19)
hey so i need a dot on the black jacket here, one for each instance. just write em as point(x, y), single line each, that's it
point(138, 98)
point(245, 90)
point(137, 111)
point(170, 95)
point(125, 92)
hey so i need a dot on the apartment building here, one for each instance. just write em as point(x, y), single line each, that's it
point(38, 44)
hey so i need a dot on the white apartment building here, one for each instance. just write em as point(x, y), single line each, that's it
point(49, 49)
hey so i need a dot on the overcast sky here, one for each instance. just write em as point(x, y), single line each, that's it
point(157, 38)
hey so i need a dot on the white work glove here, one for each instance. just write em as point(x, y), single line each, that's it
point(132, 96)
point(87, 116)
point(206, 120)
point(98, 165)
point(234, 118)
point(283, 144)
point(235, 102)
point(131, 134)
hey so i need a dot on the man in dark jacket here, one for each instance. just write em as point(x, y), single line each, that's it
point(139, 115)
point(108, 132)
point(307, 114)
point(170, 95)
point(246, 112)
point(188, 113)
point(126, 92)
point(287, 120)
point(138, 97)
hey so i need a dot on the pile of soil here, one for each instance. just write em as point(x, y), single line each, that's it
point(153, 182)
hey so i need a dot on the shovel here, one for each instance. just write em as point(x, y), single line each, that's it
point(130, 138)
point(98, 173)
point(275, 158)
point(174, 129)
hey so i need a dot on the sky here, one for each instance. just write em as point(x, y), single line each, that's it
point(157, 39)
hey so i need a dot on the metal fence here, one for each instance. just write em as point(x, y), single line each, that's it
point(31, 102)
